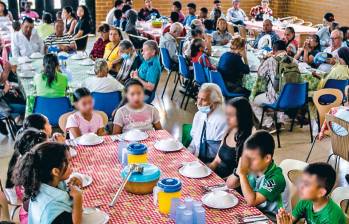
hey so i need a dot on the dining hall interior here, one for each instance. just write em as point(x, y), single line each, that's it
point(189, 111)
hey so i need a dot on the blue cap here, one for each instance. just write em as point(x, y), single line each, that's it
point(137, 148)
point(150, 173)
point(170, 185)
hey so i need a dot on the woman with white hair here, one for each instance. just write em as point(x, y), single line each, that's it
point(102, 82)
point(209, 124)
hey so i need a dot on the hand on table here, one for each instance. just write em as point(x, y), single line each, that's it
point(283, 217)
point(75, 192)
point(58, 137)
point(134, 74)
point(243, 167)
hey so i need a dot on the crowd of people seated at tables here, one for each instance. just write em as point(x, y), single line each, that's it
point(224, 131)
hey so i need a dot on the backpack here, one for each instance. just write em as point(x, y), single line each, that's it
point(287, 72)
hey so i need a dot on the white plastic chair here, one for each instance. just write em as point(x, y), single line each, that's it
point(340, 194)
point(287, 166)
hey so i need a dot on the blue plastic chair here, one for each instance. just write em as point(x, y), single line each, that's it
point(294, 96)
point(107, 102)
point(199, 74)
point(52, 108)
point(334, 84)
point(205, 67)
point(168, 65)
point(216, 78)
point(185, 73)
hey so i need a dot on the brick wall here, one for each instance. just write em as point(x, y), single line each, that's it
point(309, 10)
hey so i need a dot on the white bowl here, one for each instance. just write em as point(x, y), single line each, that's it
point(168, 145)
point(36, 55)
point(89, 139)
point(134, 135)
point(85, 179)
point(219, 200)
point(73, 152)
point(94, 216)
point(195, 170)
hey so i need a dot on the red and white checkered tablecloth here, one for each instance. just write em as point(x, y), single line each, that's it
point(102, 164)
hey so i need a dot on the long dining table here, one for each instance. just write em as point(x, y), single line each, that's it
point(102, 164)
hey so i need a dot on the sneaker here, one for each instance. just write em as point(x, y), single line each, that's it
point(3, 128)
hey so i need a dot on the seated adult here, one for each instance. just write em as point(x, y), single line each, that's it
point(291, 42)
point(148, 11)
point(203, 14)
point(51, 82)
point(131, 61)
point(235, 14)
point(45, 28)
point(63, 41)
point(221, 36)
point(102, 82)
point(217, 5)
point(258, 12)
point(150, 70)
point(99, 46)
point(28, 12)
point(325, 32)
point(169, 41)
point(130, 28)
point(345, 30)
point(209, 124)
point(5, 14)
point(198, 53)
point(268, 70)
point(69, 20)
point(332, 50)
point(123, 20)
point(239, 119)
point(177, 7)
point(118, 4)
point(309, 50)
point(83, 26)
point(217, 14)
point(267, 30)
point(197, 34)
point(26, 41)
point(191, 8)
point(209, 26)
point(117, 18)
point(260, 179)
point(111, 52)
point(174, 17)
point(233, 65)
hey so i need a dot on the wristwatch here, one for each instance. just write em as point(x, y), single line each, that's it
point(235, 174)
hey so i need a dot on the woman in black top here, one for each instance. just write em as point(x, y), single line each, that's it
point(240, 124)
point(69, 20)
point(83, 26)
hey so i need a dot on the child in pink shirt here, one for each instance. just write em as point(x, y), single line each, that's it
point(85, 120)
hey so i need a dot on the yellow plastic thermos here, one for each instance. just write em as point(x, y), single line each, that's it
point(165, 191)
point(137, 153)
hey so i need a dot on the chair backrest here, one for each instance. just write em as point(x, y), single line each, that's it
point(298, 21)
point(216, 78)
point(322, 108)
point(293, 96)
point(180, 47)
point(307, 24)
point(199, 73)
point(52, 108)
point(183, 67)
point(339, 195)
point(291, 169)
point(339, 143)
point(107, 102)
point(337, 84)
point(166, 59)
point(64, 117)
point(203, 60)
point(152, 95)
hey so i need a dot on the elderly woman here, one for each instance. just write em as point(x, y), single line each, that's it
point(99, 46)
point(111, 52)
point(209, 124)
point(150, 70)
point(309, 50)
point(102, 82)
point(221, 36)
point(291, 42)
point(131, 61)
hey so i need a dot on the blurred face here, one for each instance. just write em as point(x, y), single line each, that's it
point(126, 51)
point(85, 105)
point(309, 189)
point(1, 8)
point(191, 10)
point(218, 6)
point(80, 12)
point(174, 8)
point(147, 52)
point(288, 35)
point(267, 26)
point(257, 162)
point(65, 14)
point(236, 5)
point(312, 42)
point(135, 96)
point(104, 35)
point(27, 7)
point(48, 128)
point(114, 36)
point(204, 99)
point(203, 14)
point(67, 171)
point(336, 40)
point(232, 120)
point(265, 4)
point(222, 25)
point(148, 4)
point(27, 29)
point(59, 28)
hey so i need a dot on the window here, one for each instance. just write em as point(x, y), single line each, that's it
point(82, 2)
point(57, 4)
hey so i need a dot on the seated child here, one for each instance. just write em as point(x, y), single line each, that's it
point(25, 141)
point(261, 180)
point(136, 114)
point(315, 205)
point(42, 172)
point(41, 123)
point(85, 120)
point(197, 51)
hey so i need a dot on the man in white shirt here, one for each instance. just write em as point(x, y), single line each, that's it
point(110, 16)
point(209, 124)
point(169, 40)
point(235, 14)
point(26, 41)
point(336, 43)
point(102, 82)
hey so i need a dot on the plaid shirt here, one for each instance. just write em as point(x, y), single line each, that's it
point(98, 48)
